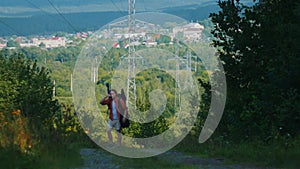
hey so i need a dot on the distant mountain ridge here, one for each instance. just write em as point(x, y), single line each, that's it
point(78, 6)
point(36, 22)
point(47, 24)
point(43, 3)
point(193, 13)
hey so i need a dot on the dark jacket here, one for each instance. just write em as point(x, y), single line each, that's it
point(108, 101)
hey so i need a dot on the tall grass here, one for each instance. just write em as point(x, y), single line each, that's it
point(50, 157)
point(280, 153)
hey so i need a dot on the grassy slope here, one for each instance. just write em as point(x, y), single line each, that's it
point(279, 154)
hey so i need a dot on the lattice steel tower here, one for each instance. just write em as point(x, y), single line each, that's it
point(131, 79)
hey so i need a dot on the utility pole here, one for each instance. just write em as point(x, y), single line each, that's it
point(188, 83)
point(94, 70)
point(189, 62)
point(71, 83)
point(54, 89)
point(177, 98)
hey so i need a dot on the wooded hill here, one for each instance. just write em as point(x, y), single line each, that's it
point(258, 46)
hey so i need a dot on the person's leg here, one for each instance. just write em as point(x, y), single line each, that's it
point(119, 139)
point(108, 131)
point(109, 135)
point(118, 128)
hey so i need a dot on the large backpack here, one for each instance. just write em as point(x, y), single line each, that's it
point(123, 97)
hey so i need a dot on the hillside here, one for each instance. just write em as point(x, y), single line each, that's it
point(45, 24)
point(37, 17)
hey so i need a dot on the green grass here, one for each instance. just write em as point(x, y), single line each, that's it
point(278, 154)
point(12, 159)
point(273, 155)
point(51, 157)
point(58, 157)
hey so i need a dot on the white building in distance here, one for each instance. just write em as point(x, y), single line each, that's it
point(51, 42)
point(191, 31)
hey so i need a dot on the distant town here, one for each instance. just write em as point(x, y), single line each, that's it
point(142, 36)
point(47, 42)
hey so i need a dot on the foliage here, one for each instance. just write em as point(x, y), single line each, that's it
point(67, 127)
point(59, 61)
point(208, 25)
point(163, 39)
point(12, 43)
point(34, 129)
point(27, 87)
point(147, 81)
point(15, 132)
point(258, 46)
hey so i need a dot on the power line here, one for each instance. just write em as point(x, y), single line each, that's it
point(121, 12)
point(34, 5)
point(122, 6)
point(144, 5)
point(7, 25)
point(63, 16)
point(31, 3)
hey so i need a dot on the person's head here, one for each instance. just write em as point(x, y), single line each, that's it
point(113, 93)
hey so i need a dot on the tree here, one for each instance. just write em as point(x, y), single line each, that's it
point(258, 46)
point(11, 43)
point(42, 45)
point(170, 25)
point(163, 39)
point(27, 87)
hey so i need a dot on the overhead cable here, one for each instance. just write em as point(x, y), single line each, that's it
point(63, 16)
point(121, 12)
point(10, 27)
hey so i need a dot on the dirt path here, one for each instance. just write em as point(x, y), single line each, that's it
point(99, 159)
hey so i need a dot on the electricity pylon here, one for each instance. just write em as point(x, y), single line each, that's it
point(131, 78)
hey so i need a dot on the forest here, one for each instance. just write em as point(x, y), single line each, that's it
point(258, 48)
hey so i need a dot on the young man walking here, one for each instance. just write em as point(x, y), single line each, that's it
point(113, 101)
